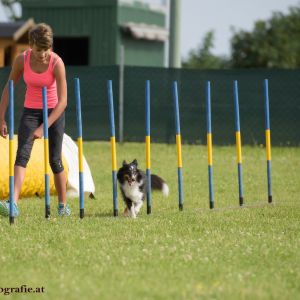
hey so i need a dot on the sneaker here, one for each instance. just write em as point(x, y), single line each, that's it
point(63, 210)
point(4, 209)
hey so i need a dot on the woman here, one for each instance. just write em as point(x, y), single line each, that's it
point(40, 67)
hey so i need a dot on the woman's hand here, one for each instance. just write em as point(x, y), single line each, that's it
point(38, 133)
point(3, 128)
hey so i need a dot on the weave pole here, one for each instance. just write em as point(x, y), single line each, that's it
point(113, 146)
point(80, 147)
point(147, 140)
point(238, 141)
point(268, 139)
point(46, 153)
point(209, 146)
point(178, 144)
point(11, 150)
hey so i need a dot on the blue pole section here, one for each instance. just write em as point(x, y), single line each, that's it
point(178, 144)
point(80, 147)
point(11, 151)
point(209, 145)
point(46, 153)
point(268, 140)
point(147, 141)
point(113, 145)
point(238, 141)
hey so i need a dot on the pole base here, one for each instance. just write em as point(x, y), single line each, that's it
point(148, 210)
point(241, 201)
point(11, 220)
point(211, 205)
point(47, 211)
point(115, 213)
point(181, 207)
point(81, 213)
point(270, 200)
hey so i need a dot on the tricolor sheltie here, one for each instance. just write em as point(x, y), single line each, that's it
point(133, 185)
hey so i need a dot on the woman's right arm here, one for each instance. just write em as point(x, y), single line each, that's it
point(15, 74)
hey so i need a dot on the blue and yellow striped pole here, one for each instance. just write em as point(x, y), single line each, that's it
point(46, 153)
point(268, 140)
point(238, 141)
point(11, 150)
point(80, 147)
point(148, 157)
point(113, 145)
point(209, 146)
point(178, 144)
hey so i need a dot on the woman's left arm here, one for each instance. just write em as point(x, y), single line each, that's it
point(61, 85)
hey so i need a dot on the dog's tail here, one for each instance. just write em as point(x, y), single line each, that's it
point(157, 183)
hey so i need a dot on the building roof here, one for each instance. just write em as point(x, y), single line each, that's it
point(145, 31)
point(15, 30)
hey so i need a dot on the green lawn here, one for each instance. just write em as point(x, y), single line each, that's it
point(225, 253)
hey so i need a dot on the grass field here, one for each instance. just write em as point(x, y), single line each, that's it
point(227, 253)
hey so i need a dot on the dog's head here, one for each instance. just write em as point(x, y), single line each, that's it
point(130, 171)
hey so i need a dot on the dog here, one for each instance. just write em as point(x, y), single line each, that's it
point(133, 186)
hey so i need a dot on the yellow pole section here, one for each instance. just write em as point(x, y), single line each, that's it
point(209, 149)
point(46, 156)
point(113, 153)
point(11, 155)
point(268, 144)
point(80, 153)
point(178, 144)
point(238, 147)
point(148, 157)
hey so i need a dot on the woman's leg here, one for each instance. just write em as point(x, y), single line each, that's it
point(30, 120)
point(56, 132)
point(60, 182)
point(19, 176)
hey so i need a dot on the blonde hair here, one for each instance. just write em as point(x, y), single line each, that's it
point(41, 35)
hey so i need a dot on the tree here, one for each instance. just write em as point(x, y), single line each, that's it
point(202, 58)
point(274, 43)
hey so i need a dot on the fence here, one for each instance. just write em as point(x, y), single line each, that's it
point(284, 91)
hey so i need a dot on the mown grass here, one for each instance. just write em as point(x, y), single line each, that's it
point(227, 253)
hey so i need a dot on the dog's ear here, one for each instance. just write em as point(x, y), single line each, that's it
point(135, 162)
point(124, 163)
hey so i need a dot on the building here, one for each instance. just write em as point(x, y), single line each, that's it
point(13, 40)
point(91, 32)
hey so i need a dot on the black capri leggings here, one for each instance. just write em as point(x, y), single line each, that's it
point(30, 120)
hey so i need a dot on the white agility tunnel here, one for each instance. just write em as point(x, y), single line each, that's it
point(34, 183)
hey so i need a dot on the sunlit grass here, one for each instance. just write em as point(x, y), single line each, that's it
point(227, 253)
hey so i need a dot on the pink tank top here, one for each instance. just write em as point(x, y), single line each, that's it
point(36, 81)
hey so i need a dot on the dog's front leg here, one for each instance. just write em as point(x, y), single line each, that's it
point(138, 207)
point(131, 209)
point(132, 212)
point(126, 212)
